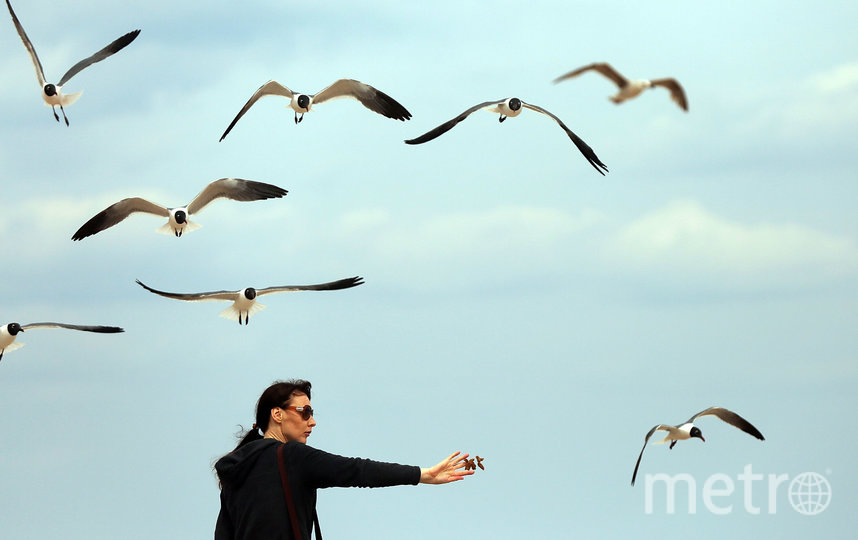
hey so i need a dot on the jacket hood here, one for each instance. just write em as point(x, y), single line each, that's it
point(233, 468)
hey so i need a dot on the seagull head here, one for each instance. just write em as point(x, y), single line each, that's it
point(695, 432)
point(50, 90)
point(180, 216)
point(304, 102)
point(250, 293)
point(13, 328)
point(514, 103)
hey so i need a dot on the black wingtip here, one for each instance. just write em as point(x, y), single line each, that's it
point(80, 235)
point(391, 108)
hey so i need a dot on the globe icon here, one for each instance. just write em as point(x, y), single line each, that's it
point(809, 493)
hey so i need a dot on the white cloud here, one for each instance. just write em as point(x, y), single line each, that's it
point(681, 243)
point(43, 226)
point(821, 103)
point(839, 80)
point(504, 232)
point(684, 237)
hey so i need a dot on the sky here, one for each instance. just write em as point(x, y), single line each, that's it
point(517, 304)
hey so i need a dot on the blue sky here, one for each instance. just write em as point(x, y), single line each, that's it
point(517, 305)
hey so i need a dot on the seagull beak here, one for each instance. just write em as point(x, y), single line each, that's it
point(702, 439)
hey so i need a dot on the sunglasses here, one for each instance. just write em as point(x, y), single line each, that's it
point(306, 412)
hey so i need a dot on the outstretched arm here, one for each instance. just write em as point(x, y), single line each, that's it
point(449, 470)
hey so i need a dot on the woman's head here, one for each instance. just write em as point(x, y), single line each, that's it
point(292, 420)
point(276, 413)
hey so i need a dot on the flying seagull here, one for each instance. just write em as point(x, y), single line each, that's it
point(244, 301)
point(178, 222)
point(689, 430)
point(630, 89)
point(8, 332)
point(372, 99)
point(510, 108)
point(51, 92)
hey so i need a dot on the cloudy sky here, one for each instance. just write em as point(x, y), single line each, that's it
point(517, 304)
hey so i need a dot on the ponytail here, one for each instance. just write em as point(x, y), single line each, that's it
point(252, 434)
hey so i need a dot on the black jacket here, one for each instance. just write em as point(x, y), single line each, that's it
point(252, 505)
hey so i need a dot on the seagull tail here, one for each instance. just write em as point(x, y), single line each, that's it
point(167, 228)
point(12, 346)
point(191, 226)
point(232, 312)
point(68, 99)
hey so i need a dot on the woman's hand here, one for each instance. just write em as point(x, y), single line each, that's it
point(449, 470)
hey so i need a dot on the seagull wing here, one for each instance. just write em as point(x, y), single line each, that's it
point(235, 189)
point(447, 126)
point(99, 329)
point(115, 213)
point(331, 286)
point(731, 418)
point(271, 88)
point(583, 147)
point(372, 99)
point(602, 67)
point(194, 297)
point(40, 73)
point(116, 46)
point(677, 94)
point(660, 427)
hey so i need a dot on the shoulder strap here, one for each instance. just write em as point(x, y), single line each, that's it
point(316, 525)
point(293, 516)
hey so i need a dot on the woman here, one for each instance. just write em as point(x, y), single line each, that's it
point(253, 504)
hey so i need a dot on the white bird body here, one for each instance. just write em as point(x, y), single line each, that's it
point(293, 103)
point(174, 227)
point(7, 340)
point(242, 306)
point(632, 90)
point(676, 433)
point(505, 110)
point(59, 99)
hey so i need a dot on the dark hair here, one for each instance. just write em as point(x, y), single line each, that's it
point(279, 393)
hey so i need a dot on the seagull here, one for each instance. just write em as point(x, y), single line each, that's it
point(178, 223)
point(244, 301)
point(372, 99)
point(510, 108)
point(689, 430)
point(630, 89)
point(51, 92)
point(8, 332)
